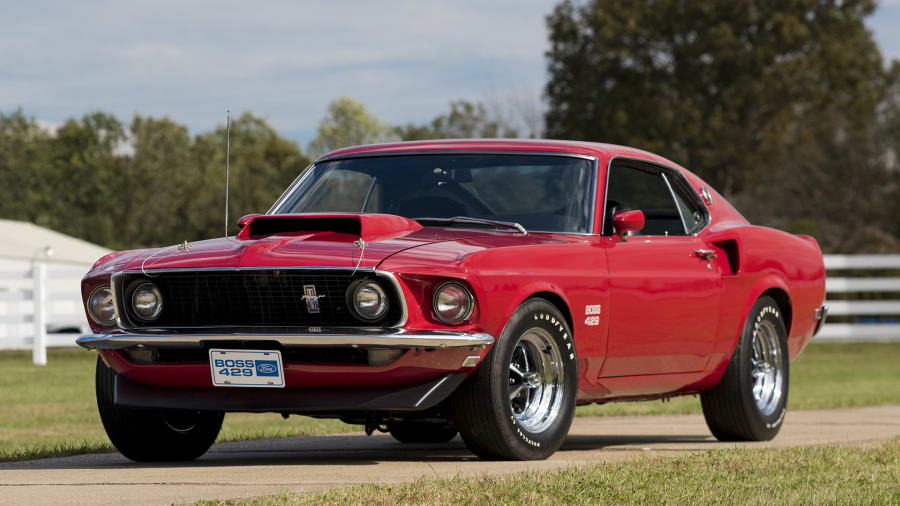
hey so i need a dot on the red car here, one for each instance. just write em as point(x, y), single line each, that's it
point(480, 287)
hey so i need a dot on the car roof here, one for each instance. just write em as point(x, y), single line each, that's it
point(600, 150)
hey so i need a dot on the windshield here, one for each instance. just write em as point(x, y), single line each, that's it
point(541, 192)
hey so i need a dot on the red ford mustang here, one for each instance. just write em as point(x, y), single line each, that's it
point(483, 288)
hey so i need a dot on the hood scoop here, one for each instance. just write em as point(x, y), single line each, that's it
point(368, 227)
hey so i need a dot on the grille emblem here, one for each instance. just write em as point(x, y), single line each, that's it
point(312, 300)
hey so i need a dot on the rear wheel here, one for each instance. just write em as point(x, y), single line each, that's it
point(147, 435)
point(750, 401)
point(520, 401)
point(422, 432)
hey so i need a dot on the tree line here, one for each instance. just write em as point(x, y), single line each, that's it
point(788, 108)
point(151, 183)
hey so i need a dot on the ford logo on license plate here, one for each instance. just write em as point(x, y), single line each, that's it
point(246, 368)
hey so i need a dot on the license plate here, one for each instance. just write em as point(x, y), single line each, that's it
point(246, 368)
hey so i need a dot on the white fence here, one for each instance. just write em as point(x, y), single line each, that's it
point(35, 298)
point(40, 306)
point(883, 315)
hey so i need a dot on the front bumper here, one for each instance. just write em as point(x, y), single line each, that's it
point(356, 338)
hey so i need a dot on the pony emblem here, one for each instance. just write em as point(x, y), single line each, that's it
point(312, 300)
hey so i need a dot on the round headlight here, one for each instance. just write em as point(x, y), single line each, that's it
point(100, 305)
point(368, 300)
point(146, 301)
point(453, 303)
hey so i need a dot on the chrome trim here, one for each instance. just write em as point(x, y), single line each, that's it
point(404, 309)
point(354, 338)
point(297, 180)
point(430, 391)
point(451, 151)
point(675, 201)
point(112, 288)
point(706, 196)
point(434, 301)
point(593, 197)
point(115, 309)
point(662, 166)
point(821, 313)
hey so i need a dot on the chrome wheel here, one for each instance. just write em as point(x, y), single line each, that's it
point(767, 368)
point(536, 380)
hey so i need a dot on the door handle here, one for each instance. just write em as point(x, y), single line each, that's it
point(706, 254)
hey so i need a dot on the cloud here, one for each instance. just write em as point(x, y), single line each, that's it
point(284, 60)
point(155, 51)
point(281, 59)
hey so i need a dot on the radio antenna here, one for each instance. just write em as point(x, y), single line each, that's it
point(227, 165)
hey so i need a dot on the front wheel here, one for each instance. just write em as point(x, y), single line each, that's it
point(150, 435)
point(519, 403)
point(750, 401)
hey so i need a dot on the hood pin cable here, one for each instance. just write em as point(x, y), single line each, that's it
point(361, 246)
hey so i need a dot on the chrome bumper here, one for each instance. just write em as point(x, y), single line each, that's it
point(382, 338)
point(820, 316)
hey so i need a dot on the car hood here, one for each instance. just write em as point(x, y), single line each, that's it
point(344, 240)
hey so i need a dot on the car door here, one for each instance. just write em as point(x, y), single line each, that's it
point(664, 288)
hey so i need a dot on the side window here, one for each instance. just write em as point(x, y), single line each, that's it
point(646, 190)
point(692, 211)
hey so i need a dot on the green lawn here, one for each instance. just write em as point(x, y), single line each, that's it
point(816, 475)
point(51, 411)
point(826, 375)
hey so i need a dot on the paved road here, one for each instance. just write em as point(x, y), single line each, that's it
point(232, 470)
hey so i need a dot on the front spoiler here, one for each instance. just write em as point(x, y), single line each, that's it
point(355, 338)
point(326, 401)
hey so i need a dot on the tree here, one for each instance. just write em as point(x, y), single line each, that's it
point(263, 164)
point(149, 185)
point(348, 123)
point(756, 97)
point(466, 120)
point(23, 161)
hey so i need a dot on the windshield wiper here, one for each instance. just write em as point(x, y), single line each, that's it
point(479, 221)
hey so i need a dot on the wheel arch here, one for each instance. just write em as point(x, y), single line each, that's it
point(558, 301)
point(781, 297)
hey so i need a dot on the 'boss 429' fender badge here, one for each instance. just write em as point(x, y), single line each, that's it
point(590, 311)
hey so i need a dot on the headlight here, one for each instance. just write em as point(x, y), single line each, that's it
point(146, 301)
point(367, 299)
point(453, 303)
point(100, 305)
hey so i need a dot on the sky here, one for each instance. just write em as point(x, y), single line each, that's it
point(283, 60)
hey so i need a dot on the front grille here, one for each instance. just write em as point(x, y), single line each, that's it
point(252, 298)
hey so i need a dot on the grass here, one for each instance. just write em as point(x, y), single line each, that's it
point(825, 375)
point(50, 411)
point(812, 475)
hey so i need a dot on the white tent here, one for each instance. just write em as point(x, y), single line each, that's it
point(26, 242)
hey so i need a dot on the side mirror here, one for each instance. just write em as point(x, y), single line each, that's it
point(247, 218)
point(628, 221)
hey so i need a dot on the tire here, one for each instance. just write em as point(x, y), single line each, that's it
point(422, 432)
point(533, 423)
point(750, 401)
point(148, 435)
